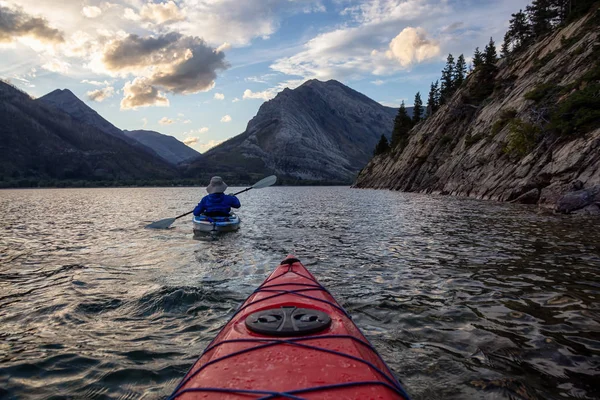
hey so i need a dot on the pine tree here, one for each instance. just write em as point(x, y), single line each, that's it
point(402, 125)
point(541, 15)
point(438, 96)
point(519, 31)
point(487, 72)
point(477, 58)
point(382, 146)
point(460, 71)
point(447, 87)
point(490, 57)
point(431, 101)
point(417, 109)
point(505, 52)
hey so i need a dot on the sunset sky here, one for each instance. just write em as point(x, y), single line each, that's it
point(200, 69)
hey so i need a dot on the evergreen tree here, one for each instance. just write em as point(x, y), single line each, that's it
point(460, 71)
point(431, 100)
point(484, 85)
point(505, 52)
point(382, 147)
point(477, 58)
point(490, 57)
point(402, 125)
point(417, 109)
point(438, 96)
point(541, 14)
point(447, 87)
point(519, 31)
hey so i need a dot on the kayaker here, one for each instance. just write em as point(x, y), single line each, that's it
point(216, 203)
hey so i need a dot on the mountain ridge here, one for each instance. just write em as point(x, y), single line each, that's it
point(318, 131)
point(166, 146)
point(45, 143)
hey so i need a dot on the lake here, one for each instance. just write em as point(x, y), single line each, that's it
point(463, 299)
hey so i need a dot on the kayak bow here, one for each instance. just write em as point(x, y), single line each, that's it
point(290, 339)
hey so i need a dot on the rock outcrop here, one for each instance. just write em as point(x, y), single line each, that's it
point(533, 140)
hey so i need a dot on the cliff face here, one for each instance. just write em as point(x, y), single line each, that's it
point(535, 138)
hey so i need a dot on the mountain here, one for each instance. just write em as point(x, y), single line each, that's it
point(167, 147)
point(66, 101)
point(40, 142)
point(320, 131)
point(535, 138)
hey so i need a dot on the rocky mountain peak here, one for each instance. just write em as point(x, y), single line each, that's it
point(322, 131)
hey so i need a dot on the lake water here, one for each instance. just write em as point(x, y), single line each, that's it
point(463, 299)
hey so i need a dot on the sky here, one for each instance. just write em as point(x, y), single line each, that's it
point(200, 69)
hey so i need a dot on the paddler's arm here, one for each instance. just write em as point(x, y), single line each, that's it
point(233, 201)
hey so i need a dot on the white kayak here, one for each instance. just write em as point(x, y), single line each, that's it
point(205, 224)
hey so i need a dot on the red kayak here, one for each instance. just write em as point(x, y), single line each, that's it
point(290, 340)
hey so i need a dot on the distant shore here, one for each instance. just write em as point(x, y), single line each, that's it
point(59, 184)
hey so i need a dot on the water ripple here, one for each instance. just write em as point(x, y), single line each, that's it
point(464, 299)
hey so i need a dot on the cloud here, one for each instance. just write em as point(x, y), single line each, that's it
point(356, 49)
point(226, 118)
point(145, 122)
point(393, 104)
point(176, 63)
point(161, 13)
point(351, 53)
point(235, 100)
point(224, 47)
point(238, 22)
point(377, 82)
point(58, 66)
point(140, 93)
point(190, 141)
point(203, 130)
point(100, 95)
point(412, 45)
point(91, 11)
point(204, 147)
point(165, 121)
point(187, 121)
point(15, 23)
point(131, 15)
point(219, 96)
point(272, 92)
point(379, 12)
point(453, 27)
point(264, 95)
point(96, 83)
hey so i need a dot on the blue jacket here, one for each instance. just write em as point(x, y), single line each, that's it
point(216, 203)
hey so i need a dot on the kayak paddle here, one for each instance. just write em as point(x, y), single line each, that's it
point(165, 223)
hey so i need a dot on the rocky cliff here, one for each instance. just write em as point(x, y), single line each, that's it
point(318, 131)
point(535, 139)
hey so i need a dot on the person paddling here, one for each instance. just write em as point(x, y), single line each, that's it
point(216, 203)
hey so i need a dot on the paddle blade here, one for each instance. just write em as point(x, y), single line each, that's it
point(162, 224)
point(263, 183)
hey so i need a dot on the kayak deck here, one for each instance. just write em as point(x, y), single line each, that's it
point(336, 363)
